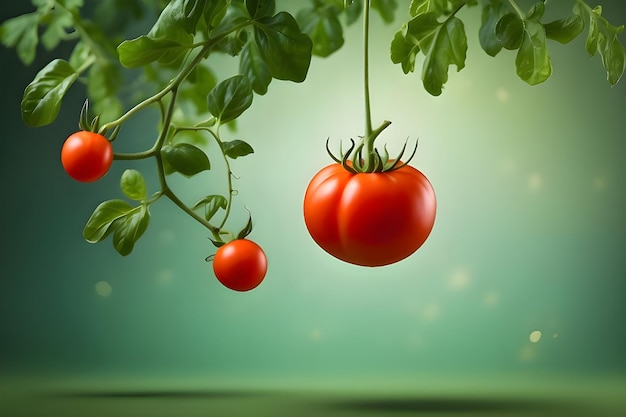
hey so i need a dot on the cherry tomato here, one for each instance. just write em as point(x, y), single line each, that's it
point(240, 265)
point(86, 156)
point(369, 219)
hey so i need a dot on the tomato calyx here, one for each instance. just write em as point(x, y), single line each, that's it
point(93, 125)
point(365, 158)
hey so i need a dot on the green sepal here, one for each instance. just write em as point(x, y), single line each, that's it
point(246, 230)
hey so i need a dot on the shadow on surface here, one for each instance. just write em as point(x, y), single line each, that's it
point(166, 394)
point(446, 405)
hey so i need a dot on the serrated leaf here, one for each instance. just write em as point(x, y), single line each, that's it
point(252, 65)
point(129, 228)
point(230, 98)
point(404, 52)
point(133, 185)
point(284, 48)
point(144, 50)
point(564, 30)
point(236, 148)
point(186, 158)
point(323, 27)
point(43, 96)
point(449, 47)
point(603, 38)
point(532, 60)
point(510, 31)
point(21, 33)
point(212, 204)
point(98, 226)
point(58, 20)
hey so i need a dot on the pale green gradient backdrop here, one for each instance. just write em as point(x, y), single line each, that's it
point(530, 235)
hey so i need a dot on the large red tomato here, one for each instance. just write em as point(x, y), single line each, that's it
point(369, 219)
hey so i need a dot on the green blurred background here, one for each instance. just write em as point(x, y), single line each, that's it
point(522, 280)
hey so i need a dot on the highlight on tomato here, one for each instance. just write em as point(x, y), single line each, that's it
point(369, 213)
point(240, 265)
point(86, 156)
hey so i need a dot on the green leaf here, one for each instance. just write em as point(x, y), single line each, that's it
point(449, 47)
point(200, 82)
point(536, 12)
point(323, 27)
point(491, 14)
point(57, 20)
point(102, 86)
point(212, 204)
point(80, 55)
point(236, 148)
point(100, 223)
point(133, 185)
point(532, 60)
point(230, 98)
point(386, 9)
point(144, 50)
point(284, 48)
point(186, 158)
point(603, 38)
point(252, 65)
point(564, 30)
point(214, 12)
point(404, 52)
point(260, 8)
point(510, 31)
point(175, 24)
point(43, 96)
point(21, 33)
point(128, 229)
point(416, 35)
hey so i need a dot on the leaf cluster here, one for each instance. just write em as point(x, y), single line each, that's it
point(435, 31)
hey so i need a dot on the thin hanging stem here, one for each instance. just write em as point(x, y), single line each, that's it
point(366, 75)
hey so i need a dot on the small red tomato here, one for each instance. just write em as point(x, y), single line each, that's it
point(240, 265)
point(369, 219)
point(86, 156)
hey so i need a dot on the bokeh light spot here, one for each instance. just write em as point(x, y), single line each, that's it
point(502, 94)
point(535, 181)
point(459, 279)
point(535, 336)
point(103, 289)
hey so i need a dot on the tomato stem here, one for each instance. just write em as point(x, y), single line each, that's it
point(366, 83)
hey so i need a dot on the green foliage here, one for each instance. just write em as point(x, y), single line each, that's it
point(127, 223)
point(172, 72)
point(602, 38)
point(186, 158)
point(43, 96)
point(230, 98)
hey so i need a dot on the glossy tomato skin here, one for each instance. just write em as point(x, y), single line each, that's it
point(369, 219)
point(86, 156)
point(240, 265)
